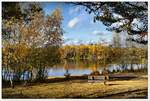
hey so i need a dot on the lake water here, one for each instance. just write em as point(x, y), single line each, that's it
point(82, 68)
point(79, 68)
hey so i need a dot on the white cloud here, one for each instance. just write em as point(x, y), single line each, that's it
point(119, 23)
point(117, 16)
point(72, 23)
point(73, 42)
point(105, 41)
point(136, 24)
point(76, 41)
point(97, 32)
point(116, 25)
point(74, 9)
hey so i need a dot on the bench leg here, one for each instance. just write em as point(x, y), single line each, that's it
point(104, 82)
point(106, 78)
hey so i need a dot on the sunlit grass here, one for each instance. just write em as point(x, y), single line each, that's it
point(75, 89)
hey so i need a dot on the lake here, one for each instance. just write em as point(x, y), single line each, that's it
point(79, 68)
point(82, 68)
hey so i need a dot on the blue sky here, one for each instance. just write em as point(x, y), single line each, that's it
point(78, 24)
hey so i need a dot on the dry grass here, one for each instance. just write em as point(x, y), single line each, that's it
point(77, 89)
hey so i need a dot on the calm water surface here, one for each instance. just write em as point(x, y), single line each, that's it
point(78, 69)
point(81, 68)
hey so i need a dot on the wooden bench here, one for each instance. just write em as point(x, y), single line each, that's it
point(98, 78)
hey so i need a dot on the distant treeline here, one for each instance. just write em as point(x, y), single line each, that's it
point(104, 53)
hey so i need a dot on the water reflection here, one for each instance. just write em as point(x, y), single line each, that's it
point(77, 68)
point(88, 67)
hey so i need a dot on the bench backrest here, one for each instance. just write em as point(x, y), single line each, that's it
point(96, 77)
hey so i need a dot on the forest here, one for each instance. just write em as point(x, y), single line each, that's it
point(103, 53)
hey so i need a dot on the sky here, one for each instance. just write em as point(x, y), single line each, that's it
point(78, 25)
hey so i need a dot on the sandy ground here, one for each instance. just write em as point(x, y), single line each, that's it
point(133, 88)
